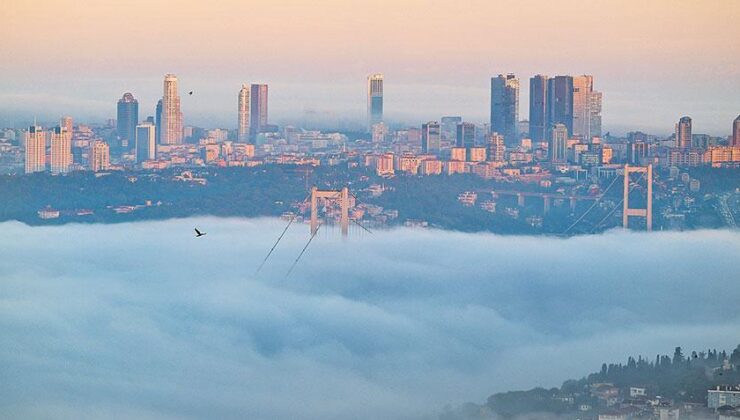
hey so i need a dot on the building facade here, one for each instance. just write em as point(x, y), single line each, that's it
point(430, 137)
point(146, 142)
point(538, 108)
point(243, 115)
point(683, 133)
point(257, 109)
point(374, 99)
point(505, 107)
point(560, 102)
point(558, 147)
point(61, 150)
point(171, 120)
point(35, 150)
point(127, 119)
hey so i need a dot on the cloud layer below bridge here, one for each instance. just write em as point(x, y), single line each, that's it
point(143, 321)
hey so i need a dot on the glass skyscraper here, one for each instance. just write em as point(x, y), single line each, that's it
point(374, 100)
point(127, 118)
point(505, 107)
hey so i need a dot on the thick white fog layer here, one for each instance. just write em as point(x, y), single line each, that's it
point(145, 321)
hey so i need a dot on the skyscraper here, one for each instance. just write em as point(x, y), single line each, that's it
point(496, 148)
point(505, 107)
point(374, 99)
point(158, 121)
point(35, 149)
point(257, 109)
point(466, 136)
point(99, 156)
point(243, 127)
point(61, 150)
point(595, 114)
point(538, 108)
point(146, 142)
point(683, 133)
point(583, 86)
point(128, 117)
point(67, 124)
point(558, 147)
point(430, 137)
point(560, 102)
point(735, 140)
point(171, 129)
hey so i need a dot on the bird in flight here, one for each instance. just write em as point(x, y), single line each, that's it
point(190, 93)
point(198, 233)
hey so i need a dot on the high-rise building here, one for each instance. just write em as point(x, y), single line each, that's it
point(374, 99)
point(583, 87)
point(61, 150)
point(448, 126)
point(158, 121)
point(35, 149)
point(505, 107)
point(558, 147)
point(683, 133)
point(243, 127)
point(560, 102)
point(735, 141)
point(538, 108)
point(68, 125)
point(128, 117)
point(171, 129)
point(257, 109)
point(146, 142)
point(466, 136)
point(496, 147)
point(595, 114)
point(430, 137)
point(99, 156)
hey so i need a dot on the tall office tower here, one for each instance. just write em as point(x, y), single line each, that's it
point(448, 126)
point(243, 127)
point(560, 102)
point(146, 142)
point(257, 109)
point(61, 150)
point(99, 156)
point(683, 133)
point(735, 141)
point(35, 149)
point(171, 129)
point(466, 136)
point(128, 117)
point(67, 124)
point(538, 108)
point(374, 99)
point(505, 107)
point(496, 148)
point(583, 87)
point(430, 137)
point(158, 121)
point(595, 114)
point(558, 143)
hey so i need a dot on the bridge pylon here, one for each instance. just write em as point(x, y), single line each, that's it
point(647, 212)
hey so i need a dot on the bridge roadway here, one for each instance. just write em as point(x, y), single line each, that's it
point(546, 197)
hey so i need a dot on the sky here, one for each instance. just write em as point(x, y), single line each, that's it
point(654, 61)
point(144, 321)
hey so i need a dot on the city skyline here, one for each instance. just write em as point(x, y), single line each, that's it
point(318, 74)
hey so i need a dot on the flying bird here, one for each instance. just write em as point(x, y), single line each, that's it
point(198, 233)
point(190, 93)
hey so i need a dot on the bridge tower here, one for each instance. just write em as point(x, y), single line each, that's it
point(343, 197)
point(647, 213)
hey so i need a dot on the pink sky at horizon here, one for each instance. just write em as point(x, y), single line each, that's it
point(654, 61)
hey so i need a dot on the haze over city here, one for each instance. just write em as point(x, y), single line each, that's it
point(653, 63)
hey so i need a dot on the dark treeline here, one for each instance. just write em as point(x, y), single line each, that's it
point(682, 378)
